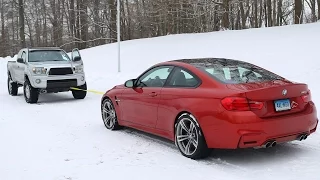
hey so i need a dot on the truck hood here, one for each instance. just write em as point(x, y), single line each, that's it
point(49, 64)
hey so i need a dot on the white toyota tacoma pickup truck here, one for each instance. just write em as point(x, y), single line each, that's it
point(46, 70)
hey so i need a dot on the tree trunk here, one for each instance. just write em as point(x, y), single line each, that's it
point(84, 23)
point(255, 13)
point(318, 9)
point(113, 20)
point(44, 33)
point(72, 20)
point(269, 13)
point(313, 10)
point(77, 26)
point(225, 20)
point(21, 24)
point(129, 20)
point(96, 19)
point(279, 16)
point(3, 39)
point(298, 11)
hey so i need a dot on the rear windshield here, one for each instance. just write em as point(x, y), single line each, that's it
point(235, 72)
point(48, 55)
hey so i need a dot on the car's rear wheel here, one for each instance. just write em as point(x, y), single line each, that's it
point(12, 87)
point(189, 138)
point(109, 115)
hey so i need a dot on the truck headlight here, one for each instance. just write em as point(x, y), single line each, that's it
point(39, 70)
point(78, 69)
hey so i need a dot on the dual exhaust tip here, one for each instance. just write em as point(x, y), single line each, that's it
point(302, 137)
point(273, 143)
point(270, 144)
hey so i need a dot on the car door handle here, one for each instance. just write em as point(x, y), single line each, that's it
point(153, 94)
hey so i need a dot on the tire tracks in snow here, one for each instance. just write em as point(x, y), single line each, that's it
point(170, 147)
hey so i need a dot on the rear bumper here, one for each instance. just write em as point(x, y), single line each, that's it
point(227, 135)
point(253, 139)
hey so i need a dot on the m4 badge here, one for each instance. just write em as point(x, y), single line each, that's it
point(294, 104)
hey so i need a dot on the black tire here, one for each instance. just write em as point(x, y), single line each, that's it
point(78, 94)
point(200, 150)
point(12, 87)
point(113, 124)
point(31, 94)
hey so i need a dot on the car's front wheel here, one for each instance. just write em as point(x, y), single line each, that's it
point(80, 94)
point(189, 138)
point(109, 115)
point(30, 93)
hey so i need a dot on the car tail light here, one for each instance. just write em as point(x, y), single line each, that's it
point(240, 104)
point(306, 97)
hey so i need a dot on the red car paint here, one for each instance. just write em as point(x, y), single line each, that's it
point(230, 115)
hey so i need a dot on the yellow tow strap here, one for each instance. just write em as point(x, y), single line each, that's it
point(93, 91)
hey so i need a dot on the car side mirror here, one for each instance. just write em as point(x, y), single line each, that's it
point(77, 58)
point(20, 60)
point(129, 83)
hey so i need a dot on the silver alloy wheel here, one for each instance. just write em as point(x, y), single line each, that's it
point(27, 91)
point(108, 114)
point(187, 136)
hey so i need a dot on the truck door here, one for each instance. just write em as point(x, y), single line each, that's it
point(21, 67)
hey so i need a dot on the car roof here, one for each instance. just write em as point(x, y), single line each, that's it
point(202, 62)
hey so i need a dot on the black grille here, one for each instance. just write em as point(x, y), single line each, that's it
point(65, 83)
point(60, 71)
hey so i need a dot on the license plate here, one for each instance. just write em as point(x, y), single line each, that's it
point(282, 105)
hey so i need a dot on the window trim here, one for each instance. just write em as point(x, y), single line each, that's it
point(176, 67)
point(25, 56)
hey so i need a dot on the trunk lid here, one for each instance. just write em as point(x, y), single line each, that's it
point(280, 97)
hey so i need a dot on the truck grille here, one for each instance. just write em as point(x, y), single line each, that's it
point(66, 83)
point(60, 71)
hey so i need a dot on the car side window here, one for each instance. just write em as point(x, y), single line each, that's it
point(182, 78)
point(155, 77)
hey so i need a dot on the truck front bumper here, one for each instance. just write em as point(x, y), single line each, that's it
point(57, 82)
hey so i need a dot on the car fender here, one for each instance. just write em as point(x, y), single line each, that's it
point(112, 94)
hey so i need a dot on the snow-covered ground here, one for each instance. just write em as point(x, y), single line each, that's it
point(61, 138)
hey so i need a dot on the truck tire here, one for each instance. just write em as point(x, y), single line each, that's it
point(31, 94)
point(12, 87)
point(78, 94)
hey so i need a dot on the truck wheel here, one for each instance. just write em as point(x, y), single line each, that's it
point(12, 87)
point(31, 94)
point(78, 94)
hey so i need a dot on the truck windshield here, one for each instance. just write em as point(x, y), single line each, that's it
point(47, 55)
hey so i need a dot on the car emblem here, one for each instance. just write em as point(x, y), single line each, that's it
point(284, 92)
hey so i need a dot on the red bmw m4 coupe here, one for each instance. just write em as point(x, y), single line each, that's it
point(211, 103)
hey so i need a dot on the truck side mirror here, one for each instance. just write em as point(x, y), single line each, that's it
point(77, 58)
point(20, 60)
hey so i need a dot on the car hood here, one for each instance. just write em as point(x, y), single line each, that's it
point(119, 86)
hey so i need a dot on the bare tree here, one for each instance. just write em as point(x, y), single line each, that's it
point(84, 23)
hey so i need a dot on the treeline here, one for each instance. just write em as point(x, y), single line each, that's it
point(89, 23)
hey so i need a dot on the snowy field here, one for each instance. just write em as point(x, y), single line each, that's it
point(62, 138)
